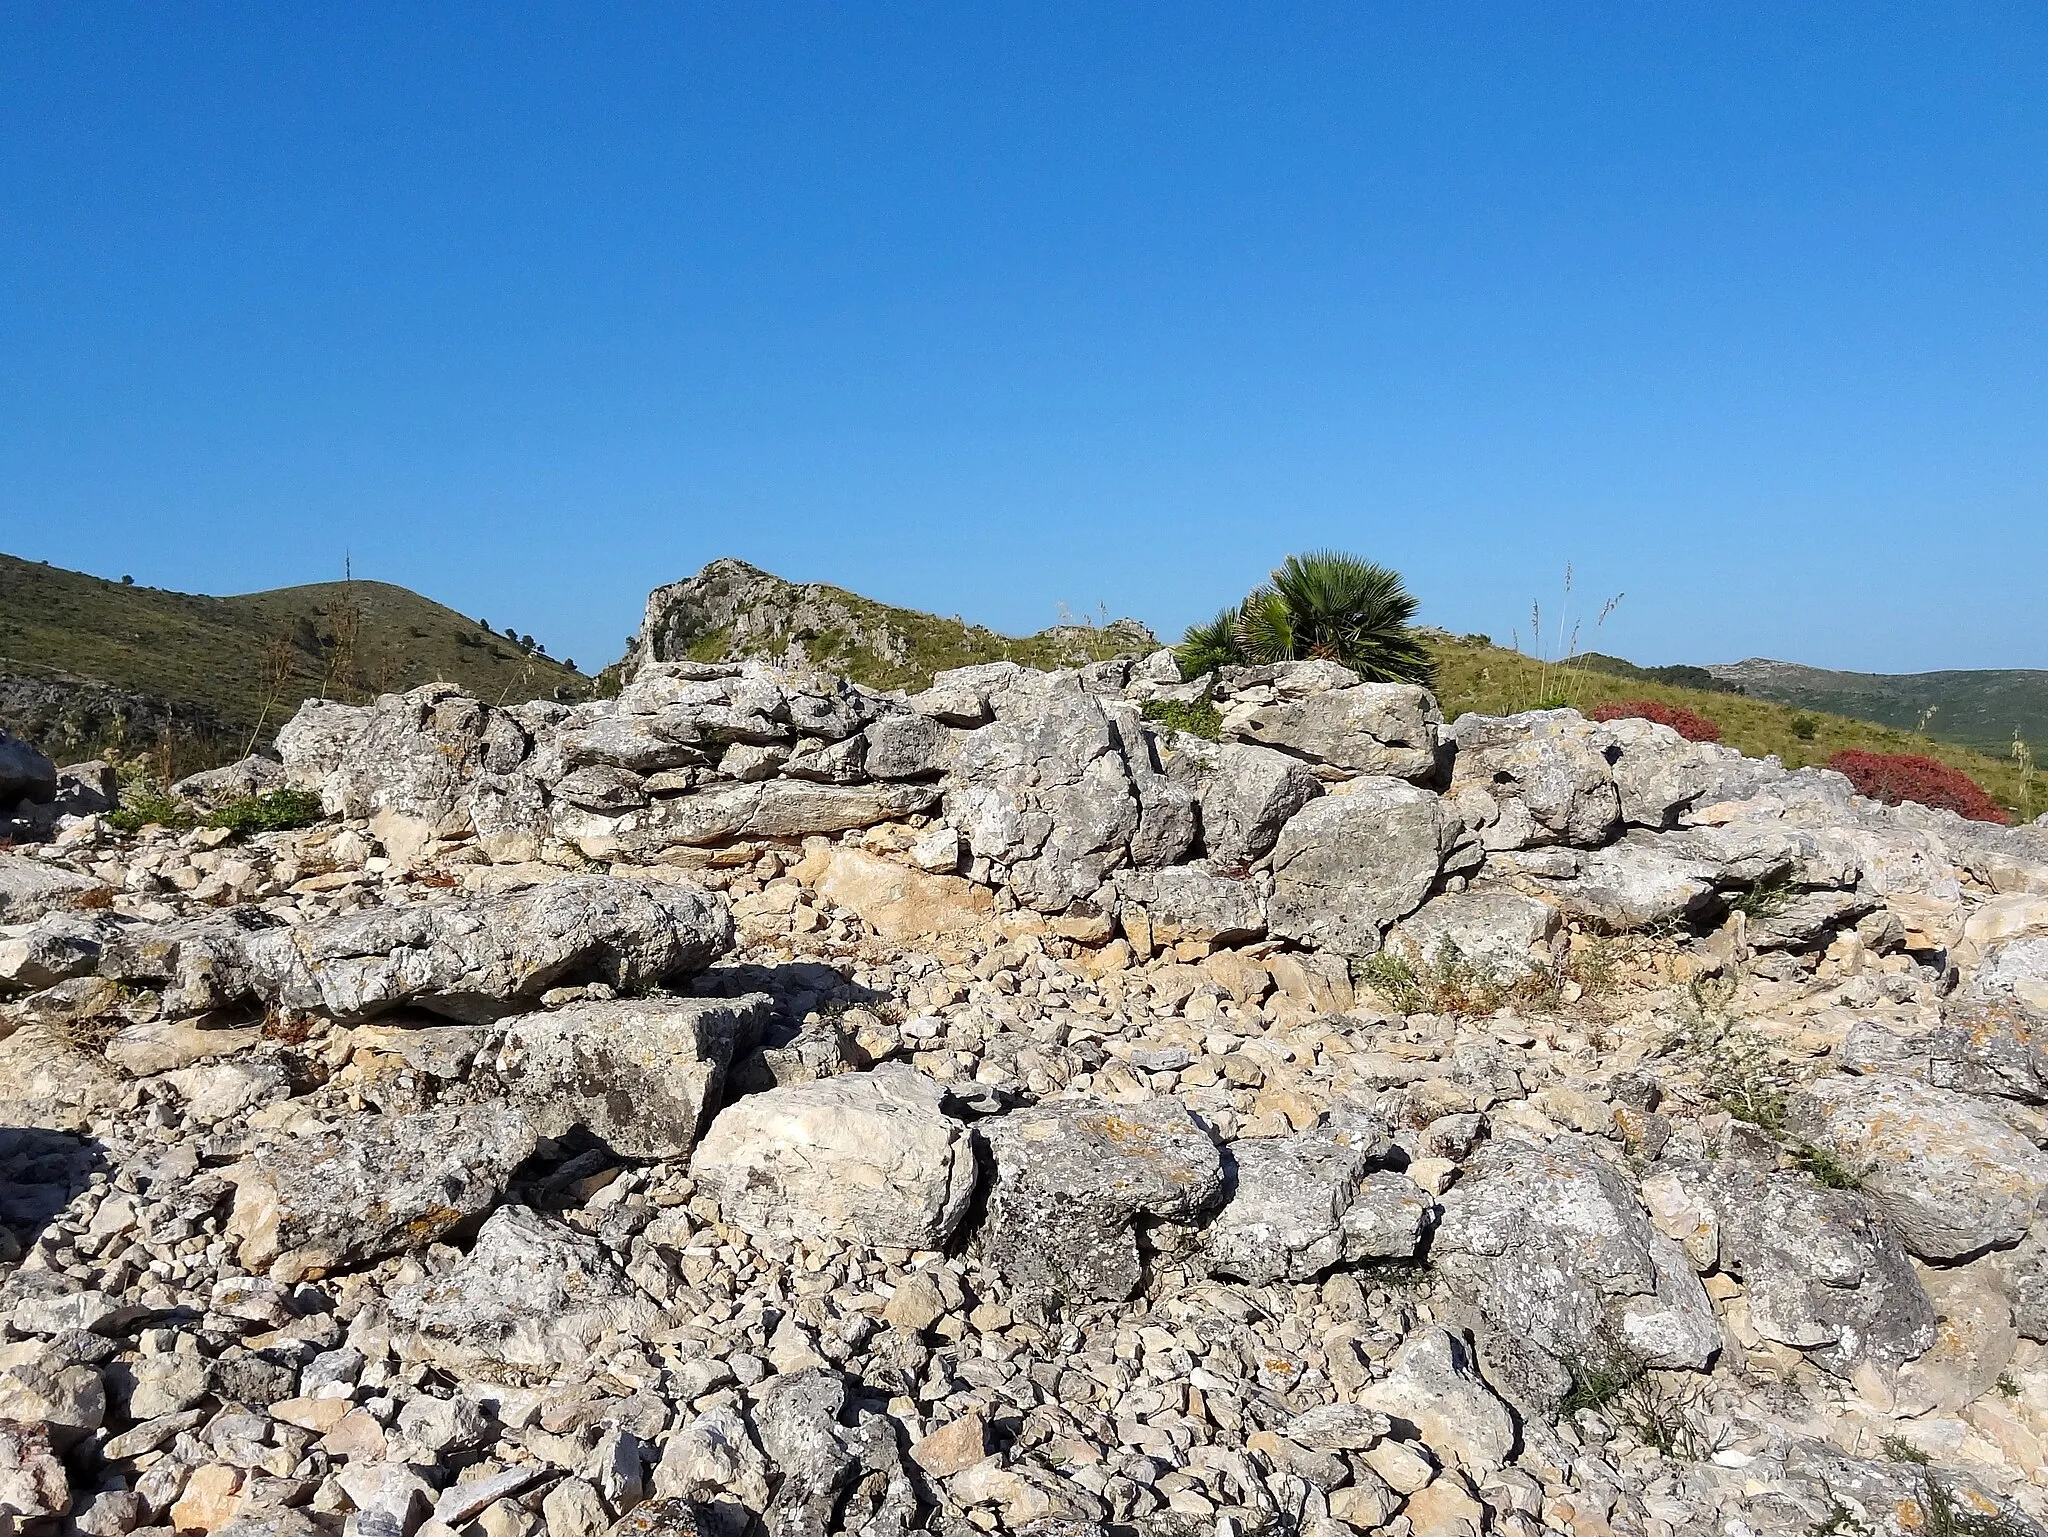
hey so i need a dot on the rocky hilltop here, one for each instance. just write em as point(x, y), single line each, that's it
point(731, 611)
point(1055, 1102)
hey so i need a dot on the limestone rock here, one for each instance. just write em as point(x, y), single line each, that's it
point(29, 888)
point(311, 744)
point(1640, 881)
point(1657, 772)
point(25, 773)
point(1245, 795)
point(898, 902)
point(1545, 774)
point(374, 1185)
point(474, 959)
point(1188, 902)
point(1389, 729)
point(1046, 795)
point(531, 1296)
point(1952, 1176)
point(1554, 1249)
point(724, 813)
point(1822, 1271)
point(1434, 1388)
point(33, 1484)
point(643, 1076)
point(868, 1157)
point(1295, 1206)
point(1489, 926)
point(1347, 866)
point(239, 780)
point(54, 948)
point(1073, 1176)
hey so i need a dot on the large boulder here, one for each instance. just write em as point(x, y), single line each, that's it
point(409, 767)
point(1951, 1174)
point(1489, 926)
point(1641, 881)
point(1347, 866)
point(897, 901)
point(29, 888)
point(868, 1157)
point(312, 743)
point(53, 948)
point(1295, 1206)
point(1044, 796)
point(234, 781)
point(1542, 777)
point(25, 773)
point(1556, 1252)
point(1073, 1177)
point(1245, 794)
point(1657, 772)
point(643, 1075)
point(1188, 902)
point(195, 963)
point(721, 813)
point(1821, 1269)
point(1392, 729)
point(530, 1296)
point(371, 1186)
point(474, 959)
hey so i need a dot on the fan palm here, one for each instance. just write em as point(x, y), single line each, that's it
point(1206, 647)
point(1323, 604)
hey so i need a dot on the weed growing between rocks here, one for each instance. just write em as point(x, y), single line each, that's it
point(1660, 1413)
point(1200, 718)
point(1826, 1169)
point(274, 811)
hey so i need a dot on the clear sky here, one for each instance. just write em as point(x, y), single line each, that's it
point(1738, 308)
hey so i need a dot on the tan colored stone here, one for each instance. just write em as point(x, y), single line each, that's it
point(319, 1415)
point(212, 1498)
point(1445, 1509)
point(898, 902)
point(953, 1447)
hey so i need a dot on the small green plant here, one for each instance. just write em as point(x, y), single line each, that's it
point(2008, 1385)
point(1840, 1521)
point(1738, 1071)
point(146, 804)
point(1826, 1169)
point(273, 812)
point(1656, 1412)
point(1805, 727)
point(1764, 901)
point(1899, 1449)
point(1442, 983)
point(1947, 1516)
point(1199, 718)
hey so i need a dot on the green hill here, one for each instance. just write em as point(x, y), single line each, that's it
point(1981, 708)
point(1493, 681)
point(92, 666)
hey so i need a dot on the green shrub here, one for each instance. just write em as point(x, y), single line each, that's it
point(275, 812)
point(146, 805)
point(1805, 727)
point(1200, 719)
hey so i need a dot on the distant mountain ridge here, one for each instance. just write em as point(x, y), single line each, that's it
point(1979, 708)
point(90, 666)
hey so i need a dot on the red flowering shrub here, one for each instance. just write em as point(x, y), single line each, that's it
point(1694, 728)
point(1892, 777)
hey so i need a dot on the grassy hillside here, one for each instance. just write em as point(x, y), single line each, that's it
point(227, 666)
point(1978, 708)
point(1494, 681)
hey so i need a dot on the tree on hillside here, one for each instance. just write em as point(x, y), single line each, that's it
point(1326, 605)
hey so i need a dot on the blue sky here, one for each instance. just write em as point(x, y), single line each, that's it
point(984, 309)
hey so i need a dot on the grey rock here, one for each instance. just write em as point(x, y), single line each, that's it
point(1245, 795)
point(1347, 866)
point(311, 744)
point(640, 1075)
point(797, 1418)
point(1546, 772)
point(1994, 1033)
point(1554, 1249)
point(868, 1157)
point(1658, 772)
point(1489, 926)
point(374, 1185)
point(904, 745)
point(69, 1402)
point(1632, 884)
point(234, 781)
point(1807, 920)
point(666, 1518)
point(772, 808)
point(1044, 793)
point(713, 1460)
point(532, 1296)
point(474, 959)
point(1821, 1269)
point(1953, 1176)
point(84, 789)
point(53, 949)
point(30, 888)
point(1072, 1178)
point(1392, 729)
point(1191, 903)
point(198, 964)
point(1297, 1205)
